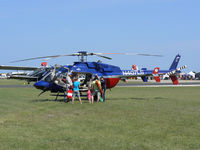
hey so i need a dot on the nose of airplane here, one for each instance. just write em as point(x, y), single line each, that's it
point(42, 85)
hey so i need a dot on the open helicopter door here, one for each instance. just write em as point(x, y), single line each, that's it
point(84, 78)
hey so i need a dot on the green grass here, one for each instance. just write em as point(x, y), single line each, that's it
point(131, 118)
point(12, 82)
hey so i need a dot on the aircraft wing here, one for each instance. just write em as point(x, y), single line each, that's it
point(3, 67)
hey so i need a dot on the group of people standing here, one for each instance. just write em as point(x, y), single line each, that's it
point(96, 89)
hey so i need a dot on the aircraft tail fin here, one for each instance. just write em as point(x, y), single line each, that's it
point(174, 79)
point(155, 74)
point(175, 62)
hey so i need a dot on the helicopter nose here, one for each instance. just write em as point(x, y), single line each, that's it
point(42, 85)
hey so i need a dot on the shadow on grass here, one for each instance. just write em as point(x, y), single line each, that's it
point(45, 100)
point(159, 98)
point(137, 98)
point(132, 98)
point(58, 100)
point(110, 99)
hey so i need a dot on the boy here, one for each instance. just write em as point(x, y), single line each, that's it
point(76, 92)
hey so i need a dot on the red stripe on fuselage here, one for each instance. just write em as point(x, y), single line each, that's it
point(111, 82)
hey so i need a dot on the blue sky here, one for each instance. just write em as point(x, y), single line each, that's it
point(50, 27)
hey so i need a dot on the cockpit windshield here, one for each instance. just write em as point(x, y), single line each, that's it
point(53, 74)
point(48, 77)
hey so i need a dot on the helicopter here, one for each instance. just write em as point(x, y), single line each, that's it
point(50, 78)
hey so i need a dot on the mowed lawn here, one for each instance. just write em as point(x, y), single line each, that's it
point(131, 118)
point(12, 82)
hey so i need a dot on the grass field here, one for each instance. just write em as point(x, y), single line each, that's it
point(131, 118)
point(12, 82)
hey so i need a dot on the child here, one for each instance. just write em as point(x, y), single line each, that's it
point(89, 96)
point(90, 91)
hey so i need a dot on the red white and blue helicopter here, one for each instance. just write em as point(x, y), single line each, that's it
point(45, 77)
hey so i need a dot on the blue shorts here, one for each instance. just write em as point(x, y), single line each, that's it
point(76, 93)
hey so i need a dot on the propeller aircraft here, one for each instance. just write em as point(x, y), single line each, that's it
point(49, 78)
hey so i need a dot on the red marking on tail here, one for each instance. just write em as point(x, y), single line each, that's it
point(134, 67)
point(44, 64)
point(157, 79)
point(156, 70)
point(155, 74)
point(174, 79)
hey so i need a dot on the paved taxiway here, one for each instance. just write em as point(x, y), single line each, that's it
point(163, 83)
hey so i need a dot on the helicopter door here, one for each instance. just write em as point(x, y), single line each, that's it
point(83, 77)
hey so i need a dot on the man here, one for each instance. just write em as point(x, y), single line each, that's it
point(68, 82)
point(68, 87)
point(96, 88)
point(76, 92)
point(103, 86)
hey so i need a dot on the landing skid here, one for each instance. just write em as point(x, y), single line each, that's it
point(56, 99)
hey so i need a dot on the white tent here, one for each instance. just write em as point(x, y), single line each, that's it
point(191, 73)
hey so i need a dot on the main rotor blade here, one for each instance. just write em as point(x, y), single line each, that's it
point(44, 57)
point(140, 54)
point(18, 68)
point(99, 55)
point(84, 54)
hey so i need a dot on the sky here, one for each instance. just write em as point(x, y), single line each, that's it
point(36, 28)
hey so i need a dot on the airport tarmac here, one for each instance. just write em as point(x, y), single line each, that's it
point(163, 83)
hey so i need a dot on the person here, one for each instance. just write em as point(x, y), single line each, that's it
point(89, 96)
point(68, 87)
point(68, 82)
point(96, 84)
point(96, 77)
point(76, 92)
point(103, 86)
point(90, 90)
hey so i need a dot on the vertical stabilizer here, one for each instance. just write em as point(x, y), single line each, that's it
point(174, 79)
point(175, 62)
point(155, 74)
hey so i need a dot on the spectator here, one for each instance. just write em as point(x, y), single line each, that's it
point(76, 92)
point(90, 91)
point(96, 84)
point(103, 86)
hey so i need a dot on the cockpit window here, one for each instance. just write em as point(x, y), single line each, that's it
point(53, 74)
point(48, 77)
